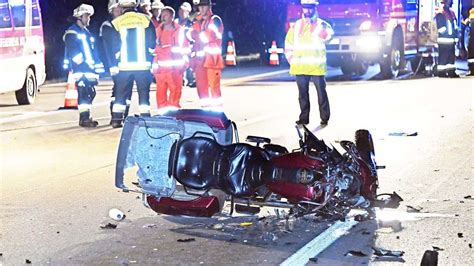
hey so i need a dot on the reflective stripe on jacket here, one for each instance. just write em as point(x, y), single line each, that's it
point(172, 49)
point(447, 27)
point(138, 39)
point(305, 48)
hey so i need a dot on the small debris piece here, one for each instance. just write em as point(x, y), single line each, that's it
point(108, 226)
point(362, 217)
point(436, 170)
point(470, 245)
point(385, 252)
point(57, 232)
point(460, 235)
point(430, 258)
point(413, 209)
point(149, 226)
point(315, 259)
point(116, 214)
point(394, 224)
point(355, 253)
point(461, 201)
point(245, 224)
point(217, 226)
point(1, 254)
point(468, 197)
point(232, 239)
point(398, 237)
point(366, 233)
point(27, 261)
point(403, 134)
point(435, 248)
point(138, 197)
point(186, 240)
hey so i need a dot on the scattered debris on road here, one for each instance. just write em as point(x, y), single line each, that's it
point(430, 258)
point(27, 261)
point(460, 235)
point(184, 240)
point(380, 252)
point(435, 248)
point(108, 226)
point(315, 259)
point(468, 197)
point(246, 224)
point(414, 209)
point(355, 253)
point(116, 214)
point(470, 245)
point(395, 225)
point(149, 226)
point(403, 134)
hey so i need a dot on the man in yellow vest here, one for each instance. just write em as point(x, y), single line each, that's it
point(306, 53)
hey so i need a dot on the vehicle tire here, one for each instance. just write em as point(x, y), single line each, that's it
point(28, 93)
point(357, 67)
point(347, 70)
point(391, 66)
point(361, 68)
point(365, 146)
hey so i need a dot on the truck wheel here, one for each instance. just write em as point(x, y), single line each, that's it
point(347, 70)
point(391, 66)
point(27, 94)
point(357, 68)
point(365, 146)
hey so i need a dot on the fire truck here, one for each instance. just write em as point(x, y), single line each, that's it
point(388, 32)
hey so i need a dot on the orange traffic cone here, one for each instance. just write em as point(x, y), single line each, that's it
point(274, 60)
point(230, 58)
point(71, 95)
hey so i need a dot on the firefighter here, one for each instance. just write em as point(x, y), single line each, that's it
point(447, 32)
point(134, 60)
point(156, 8)
point(170, 61)
point(207, 61)
point(145, 7)
point(111, 43)
point(306, 53)
point(183, 19)
point(83, 59)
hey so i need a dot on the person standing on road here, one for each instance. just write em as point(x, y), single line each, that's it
point(83, 59)
point(207, 61)
point(306, 53)
point(183, 19)
point(447, 38)
point(470, 46)
point(137, 38)
point(170, 62)
point(111, 43)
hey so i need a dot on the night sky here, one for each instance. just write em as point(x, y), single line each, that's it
point(252, 22)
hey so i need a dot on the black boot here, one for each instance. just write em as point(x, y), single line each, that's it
point(89, 122)
point(116, 120)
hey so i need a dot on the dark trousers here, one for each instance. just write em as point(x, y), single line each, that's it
point(470, 49)
point(114, 92)
point(143, 80)
point(446, 60)
point(86, 94)
point(303, 87)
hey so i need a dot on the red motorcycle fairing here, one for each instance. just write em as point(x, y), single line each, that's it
point(205, 206)
point(297, 160)
point(216, 120)
point(369, 182)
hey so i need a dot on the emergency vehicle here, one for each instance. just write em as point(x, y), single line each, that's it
point(22, 56)
point(388, 32)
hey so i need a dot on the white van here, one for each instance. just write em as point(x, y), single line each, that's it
point(22, 56)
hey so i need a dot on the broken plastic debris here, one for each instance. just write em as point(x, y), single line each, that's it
point(396, 225)
point(116, 214)
point(245, 224)
point(27, 261)
point(217, 226)
point(430, 258)
point(186, 240)
point(435, 248)
point(470, 245)
point(269, 237)
point(355, 253)
point(387, 253)
point(315, 259)
point(108, 226)
point(403, 134)
point(414, 209)
point(149, 226)
point(468, 197)
point(460, 235)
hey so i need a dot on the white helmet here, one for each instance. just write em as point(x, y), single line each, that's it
point(112, 4)
point(309, 2)
point(157, 4)
point(145, 2)
point(83, 9)
point(127, 3)
point(186, 6)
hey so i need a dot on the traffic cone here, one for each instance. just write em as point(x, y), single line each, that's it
point(274, 60)
point(71, 95)
point(230, 58)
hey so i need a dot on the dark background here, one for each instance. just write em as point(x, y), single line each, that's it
point(254, 24)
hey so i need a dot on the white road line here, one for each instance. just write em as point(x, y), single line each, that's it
point(319, 243)
point(30, 115)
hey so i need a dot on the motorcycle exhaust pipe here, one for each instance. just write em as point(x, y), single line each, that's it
point(274, 204)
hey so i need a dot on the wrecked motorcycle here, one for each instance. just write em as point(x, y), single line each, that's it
point(191, 161)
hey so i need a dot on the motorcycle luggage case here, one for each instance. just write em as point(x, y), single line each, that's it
point(146, 143)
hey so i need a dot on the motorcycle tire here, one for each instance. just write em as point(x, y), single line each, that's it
point(365, 146)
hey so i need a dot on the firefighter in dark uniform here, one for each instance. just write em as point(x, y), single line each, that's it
point(84, 62)
point(470, 46)
point(138, 40)
point(447, 38)
point(111, 44)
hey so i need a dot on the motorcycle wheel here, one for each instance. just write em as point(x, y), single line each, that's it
point(365, 146)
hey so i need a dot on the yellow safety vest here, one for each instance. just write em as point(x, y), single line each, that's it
point(305, 48)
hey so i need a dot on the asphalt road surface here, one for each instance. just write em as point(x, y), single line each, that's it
point(57, 179)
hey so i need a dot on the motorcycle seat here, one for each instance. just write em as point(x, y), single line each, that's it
point(201, 163)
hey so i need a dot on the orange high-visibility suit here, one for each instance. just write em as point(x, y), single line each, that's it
point(169, 64)
point(207, 61)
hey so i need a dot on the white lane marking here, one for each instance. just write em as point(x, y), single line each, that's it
point(319, 243)
point(30, 115)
